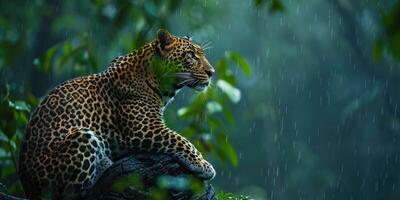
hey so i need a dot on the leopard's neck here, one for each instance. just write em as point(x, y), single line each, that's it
point(131, 77)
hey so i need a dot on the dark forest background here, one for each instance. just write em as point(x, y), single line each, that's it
point(305, 103)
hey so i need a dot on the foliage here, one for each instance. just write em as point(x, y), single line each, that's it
point(14, 114)
point(63, 40)
point(389, 39)
point(165, 73)
point(273, 5)
point(230, 196)
point(209, 113)
point(78, 51)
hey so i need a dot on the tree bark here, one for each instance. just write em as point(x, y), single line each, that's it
point(159, 175)
point(151, 168)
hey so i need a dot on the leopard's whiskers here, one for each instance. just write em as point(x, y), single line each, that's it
point(206, 45)
point(187, 82)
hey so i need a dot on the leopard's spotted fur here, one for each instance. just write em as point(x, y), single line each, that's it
point(85, 124)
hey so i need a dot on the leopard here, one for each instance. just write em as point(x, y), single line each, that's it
point(86, 124)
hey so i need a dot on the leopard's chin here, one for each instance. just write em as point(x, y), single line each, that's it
point(201, 86)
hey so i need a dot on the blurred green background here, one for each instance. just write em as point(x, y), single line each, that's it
point(305, 103)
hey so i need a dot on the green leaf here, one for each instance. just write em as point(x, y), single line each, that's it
point(195, 108)
point(229, 196)
point(48, 58)
point(228, 115)
point(7, 170)
point(68, 53)
point(227, 149)
point(242, 63)
point(232, 92)
point(377, 50)
point(224, 72)
point(10, 126)
point(189, 131)
point(13, 142)
point(20, 117)
point(196, 185)
point(216, 150)
point(276, 6)
point(391, 35)
point(258, 3)
point(394, 44)
point(182, 111)
point(134, 180)
point(213, 107)
point(213, 122)
point(171, 182)
point(93, 61)
point(19, 105)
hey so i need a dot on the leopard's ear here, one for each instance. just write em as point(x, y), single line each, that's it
point(165, 39)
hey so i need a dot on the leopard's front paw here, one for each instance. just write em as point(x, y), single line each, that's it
point(202, 169)
point(208, 171)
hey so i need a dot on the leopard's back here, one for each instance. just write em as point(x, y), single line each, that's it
point(75, 104)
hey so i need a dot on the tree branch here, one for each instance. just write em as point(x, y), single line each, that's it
point(117, 181)
point(150, 167)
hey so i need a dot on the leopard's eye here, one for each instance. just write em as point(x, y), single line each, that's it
point(190, 54)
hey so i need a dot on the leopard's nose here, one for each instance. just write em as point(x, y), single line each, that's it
point(210, 72)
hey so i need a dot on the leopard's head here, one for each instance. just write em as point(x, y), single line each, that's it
point(192, 68)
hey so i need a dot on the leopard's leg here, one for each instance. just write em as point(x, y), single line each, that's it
point(171, 143)
point(145, 131)
point(81, 161)
point(183, 150)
